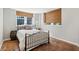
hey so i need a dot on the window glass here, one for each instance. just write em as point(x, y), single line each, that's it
point(20, 20)
point(29, 21)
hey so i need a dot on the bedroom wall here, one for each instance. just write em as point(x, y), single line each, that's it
point(69, 30)
point(1, 25)
point(9, 21)
point(70, 21)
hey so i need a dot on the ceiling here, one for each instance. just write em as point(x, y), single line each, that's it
point(35, 10)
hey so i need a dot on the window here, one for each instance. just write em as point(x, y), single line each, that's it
point(29, 21)
point(37, 20)
point(21, 20)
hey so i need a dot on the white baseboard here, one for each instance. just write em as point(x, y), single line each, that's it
point(66, 41)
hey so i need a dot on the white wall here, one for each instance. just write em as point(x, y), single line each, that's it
point(9, 21)
point(70, 24)
point(69, 30)
point(1, 25)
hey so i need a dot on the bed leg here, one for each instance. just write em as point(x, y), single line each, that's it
point(48, 37)
point(25, 42)
point(48, 40)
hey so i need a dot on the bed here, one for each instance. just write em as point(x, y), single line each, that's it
point(30, 39)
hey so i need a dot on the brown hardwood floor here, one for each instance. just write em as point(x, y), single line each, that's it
point(53, 45)
point(56, 45)
point(10, 45)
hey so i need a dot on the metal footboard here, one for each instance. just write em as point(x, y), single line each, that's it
point(36, 39)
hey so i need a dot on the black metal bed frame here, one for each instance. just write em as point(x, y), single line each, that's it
point(32, 46)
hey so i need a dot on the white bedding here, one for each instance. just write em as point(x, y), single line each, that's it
point(21, 37)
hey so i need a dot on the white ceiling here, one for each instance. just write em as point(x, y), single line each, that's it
point(35, 10)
